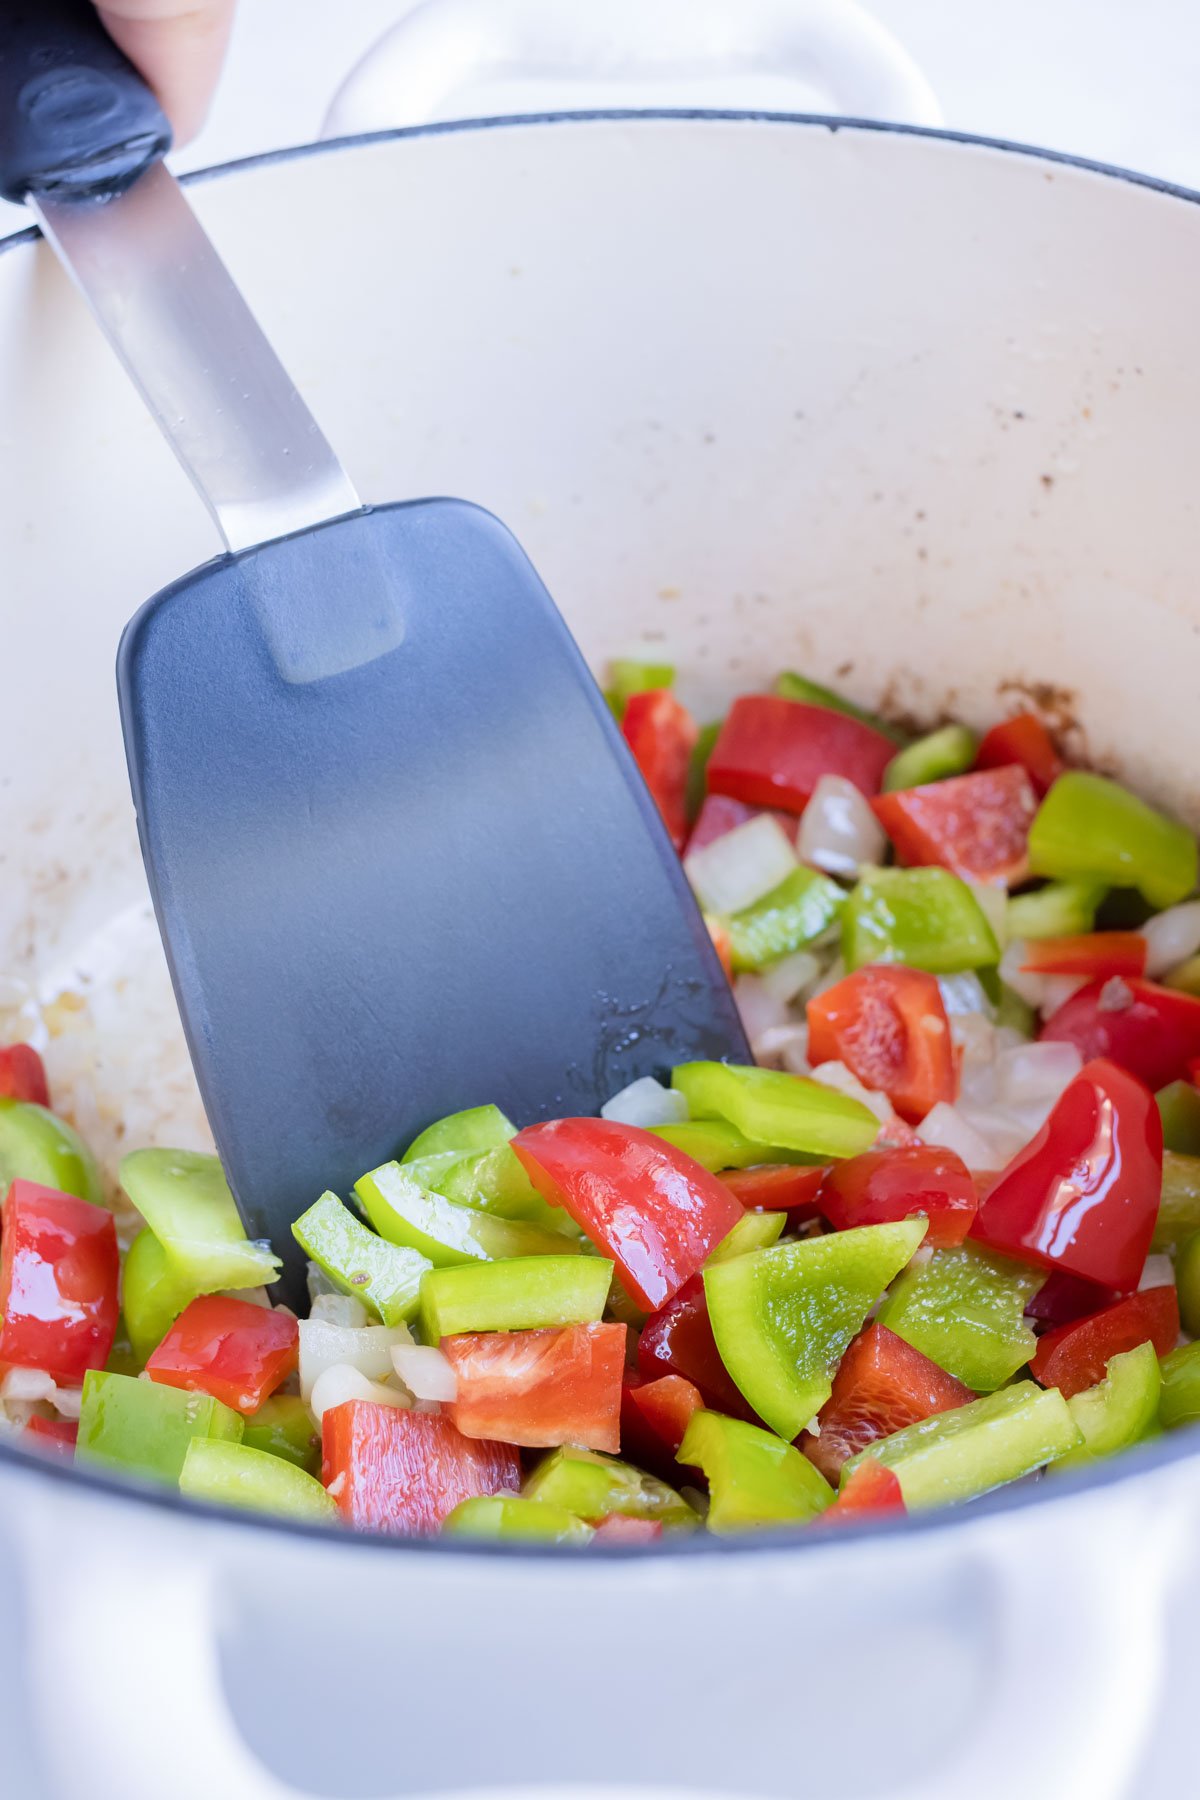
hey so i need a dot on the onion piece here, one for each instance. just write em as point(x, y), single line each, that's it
point(791, 976)
point(837, 1076)
point(758, 1008)
point(783, 1046)
point(946, 1126)
point(1035, 1072)
point(340, 1309)
point(1159, 1271)
point(1044, 992)
point(964, 995)
point(341, 1382)
point(838, 831)
point(646, 1102)
point(369, 1349)
point(742, 866)
point(38, 1384)
point(425, 1371)
point(1171, 937)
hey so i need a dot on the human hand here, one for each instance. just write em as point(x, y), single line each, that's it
point(179, 46)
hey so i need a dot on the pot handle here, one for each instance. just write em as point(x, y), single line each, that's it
point(417, 70)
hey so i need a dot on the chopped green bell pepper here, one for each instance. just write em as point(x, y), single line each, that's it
point(144, 1427)
point(1187, 1283)
point(791, 916)
point(152, 1294)
point(36, 1145)
point(790, 686)
point(753, 1231)
point(284, 1426)
point(754, 1478)
point(462, 1134)
point(926, 918)
point(949, 751)
point(1179, 1206)
point(1089, 828)
point(233, 1475)
point(490, 1181)
point(591, 1486)
point(782, 1318)
point(628, 676)
point(385, 1277)
point(957, 1455)
point(501, 1517)
point(1179, 1109)
point(1118, 1411)
point(185, 1200)
point(715, 1145)
point(405, 1213)
point(777, 1108)
point(122, 1358)
point(1179, 1401)
point(697, 778)
point(526, 1293)
point(964, 1308)
point(1011, 1011)
point(1060, 909)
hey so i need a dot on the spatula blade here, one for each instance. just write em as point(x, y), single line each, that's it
point(401, 858)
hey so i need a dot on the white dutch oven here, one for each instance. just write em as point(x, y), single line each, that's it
point(911, 412)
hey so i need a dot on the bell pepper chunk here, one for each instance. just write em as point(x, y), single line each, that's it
point(924, 918)
point(956, 1455)
point(152, 1294)
point(1060, 909)
point(1179, 1201)
point(662, 735)
point(871, 1489)
point(141, 1428)
point(882, 1385)
point(385, 1277)
point(527, 1293)
point(660, 1411)
point(977, 825)
point(55, 1436)
point(37, 1146)
point(1151, 1031)
point(23, 1075)
point(653, 1210)
point(773, 752)
point(718, 815)
point(232, 1349)
point(441, 1230)
point(790, 686)
point(717, 1146)
point(792, 916)
point(779, 1187)
point(540, 1388)
point(1119, 1410)
point(185, 1199)
point(1083, 1194)
point(1179, 1401)
point(1022, 739)
point(1092, 829)
point(775, 1108)
point(616, 1529)
point(594, 1487)
point(1096, 955)
point(678, 1340)
point(901, 1183)
point(1075, 1356)
point(753, 1231)
point(489, 1181)
point(284, 1426)
point(889, 1027)
point(783, 1318)
point(754, 1478)
point(403, 1472)
point(59, 1278)
point(508, 1518)
point(935, 757)
point(1063, 1299)
point(965, 1310)
point(228, 1474)
point(1179, 1109)
point(465, 1133)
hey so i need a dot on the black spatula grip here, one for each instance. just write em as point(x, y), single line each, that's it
point(76, 118)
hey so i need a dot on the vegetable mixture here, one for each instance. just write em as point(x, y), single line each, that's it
point(930, 1243)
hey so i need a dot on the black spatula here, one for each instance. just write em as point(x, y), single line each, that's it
point(401, 859)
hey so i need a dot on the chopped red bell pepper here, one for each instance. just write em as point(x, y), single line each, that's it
point(650, 1207)
point(871, 1489)
point(662, 735)
point(720, 815)
point(235, 1351)
point(678, 1340)
point(540, 1388)
point(619, 1528)
point(1083, 1194)
point(778, 1187)
point(889, 1026)
point(977, 825)
point(882, 1384)
point(59, 1279)
point(883, 1185)
point(1022, 739)
point(1094, 954)
point(57, 1436)
point(1075, 1356)
point(773, 752)
point(1193, 1071)
point(664, 1407)
point(1153, 1032)
point(1063, 1298)
point(23, 1075)
point(393, 1470)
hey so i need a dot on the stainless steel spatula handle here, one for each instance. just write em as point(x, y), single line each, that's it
point(81, 139)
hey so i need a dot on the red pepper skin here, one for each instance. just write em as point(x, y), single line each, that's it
point(884, 1185)
point(1075, 1356)
point(678, 1340)
point(662, 735)
point(664, 1407)
point(23, 1075)
point(1063, 1298)
point(1083, 1194)
point(235, 1351)
point(615, 1528)
point(778, 1187)
point(1024, 740)
point(977, 825)
point(540, 1388)
point(1096, 955)
point(889, 1026)
point(882, 1384)
point(871, 1489)
point(55, 1436)
point(773, 752)
point(655, 1211)
point(59, 1278)
point(720, 815)
point(403, 1471)
point(1155, 1036)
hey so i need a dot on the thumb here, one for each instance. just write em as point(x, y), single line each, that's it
point(179, 46)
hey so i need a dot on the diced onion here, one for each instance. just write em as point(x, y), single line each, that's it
point(836, 1075)
point(341, 1381)
point(646, 1102)
point(1045, 992)
point(963, 996)
point(834, 973)
point(1158, 1272)
point(791, 976)
point(425, 1372)
point(758, 1008)
point(340, 1309)
point(1035, 1072)
point(1004, 1130)
point(1171, 937)
point(945, 1125)
point(783, 1047)
point(38, 1384)
point(742, 866)
point(369, 1349)
point(838, 831)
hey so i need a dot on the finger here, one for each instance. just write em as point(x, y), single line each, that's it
point(179, 46)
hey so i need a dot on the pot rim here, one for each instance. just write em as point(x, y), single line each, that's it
point(1110, 1472)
